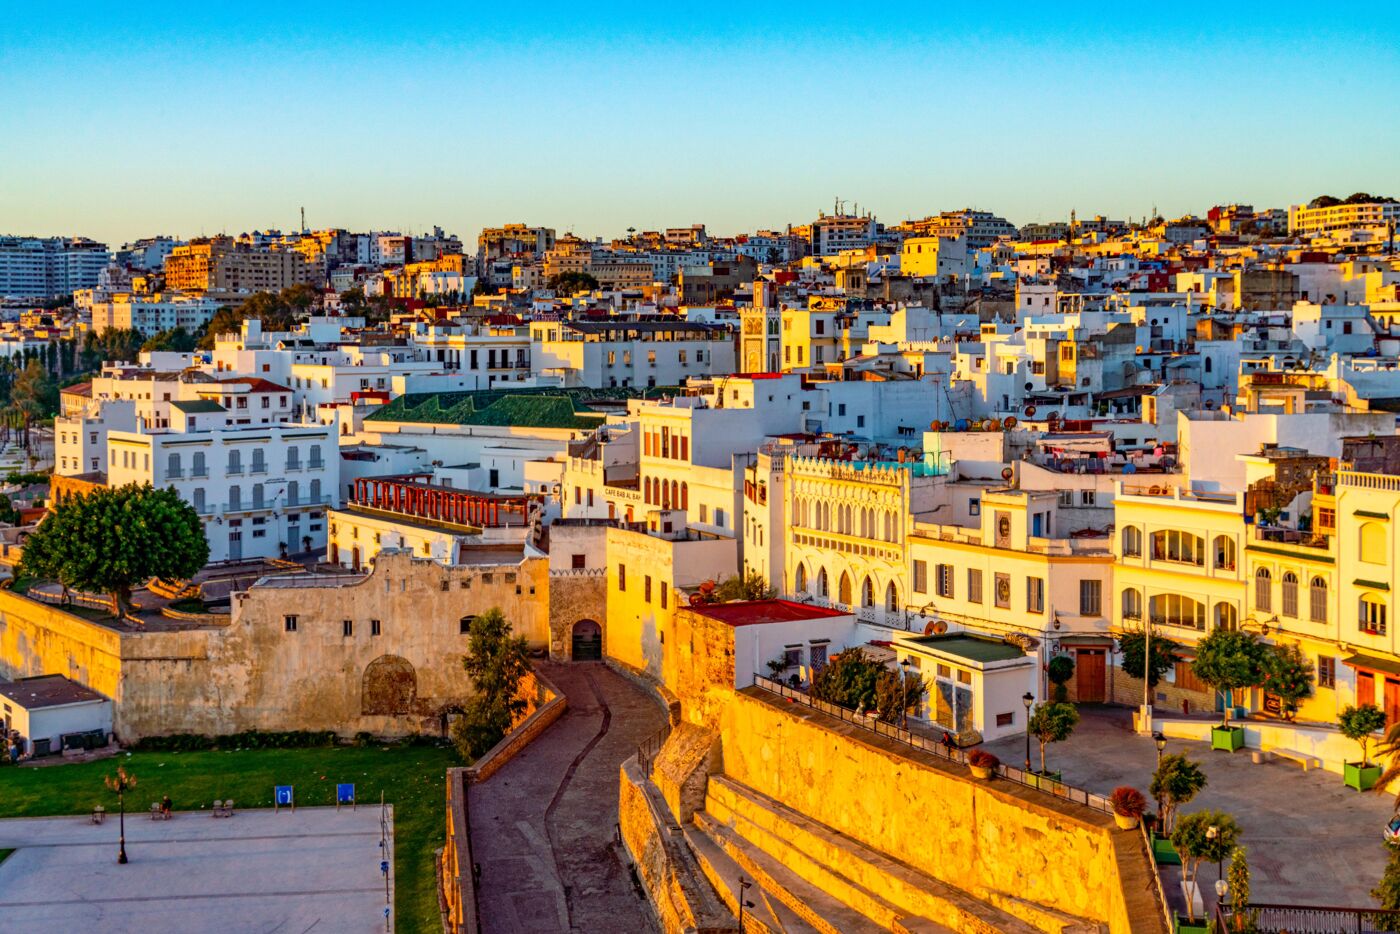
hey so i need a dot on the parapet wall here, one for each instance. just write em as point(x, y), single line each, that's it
point(999, 842)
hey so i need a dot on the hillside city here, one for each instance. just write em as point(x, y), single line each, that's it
point(850, 575)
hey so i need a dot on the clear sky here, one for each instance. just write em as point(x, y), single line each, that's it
point(135, 119)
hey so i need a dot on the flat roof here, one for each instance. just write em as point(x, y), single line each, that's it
point(970, 648)
point(754, 612)
point(47, 691)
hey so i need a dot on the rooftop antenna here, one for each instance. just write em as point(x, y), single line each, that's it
point(303, 219)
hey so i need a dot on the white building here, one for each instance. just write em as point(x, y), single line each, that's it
point(34, 269)
point(152, 314)
point(261, 490)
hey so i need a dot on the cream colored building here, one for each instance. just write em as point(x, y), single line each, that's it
point(1180, 569)
point(219, 265)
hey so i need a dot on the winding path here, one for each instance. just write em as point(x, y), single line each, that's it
point(544, 828)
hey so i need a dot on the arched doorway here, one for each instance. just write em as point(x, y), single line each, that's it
point(588, 641)
point(389, 687)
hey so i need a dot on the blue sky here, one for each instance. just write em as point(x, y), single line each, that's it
point(133, 120)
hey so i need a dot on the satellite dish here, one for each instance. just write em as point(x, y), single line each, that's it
point(1009, 422)
point(1006, 473)
point(1030, 411)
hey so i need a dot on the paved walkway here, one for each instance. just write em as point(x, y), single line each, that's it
point(1311, 840)
point(544, 828)
point(255, 873)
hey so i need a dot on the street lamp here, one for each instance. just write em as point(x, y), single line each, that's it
point(1161, 740)
point(120, 783)
point(1028, 699)
point(904, 692)
point(1222, 888)
point(743, 887)
point(1212, 832)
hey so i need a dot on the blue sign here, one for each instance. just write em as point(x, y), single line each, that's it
point(345, 793)
point(283, 794)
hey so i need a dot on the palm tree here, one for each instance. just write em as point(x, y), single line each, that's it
point(1389, 750)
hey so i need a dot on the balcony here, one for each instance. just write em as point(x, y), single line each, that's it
point(1282, 536)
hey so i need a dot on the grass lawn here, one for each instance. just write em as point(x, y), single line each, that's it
point(411, 778)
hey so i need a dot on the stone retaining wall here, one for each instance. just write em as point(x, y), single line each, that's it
point(546, 704)
point(456, 883)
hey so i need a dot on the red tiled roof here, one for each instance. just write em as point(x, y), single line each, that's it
point(256, 384)
point(753, 612)
point(78, 389)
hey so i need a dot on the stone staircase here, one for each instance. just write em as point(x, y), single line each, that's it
point(810, 878)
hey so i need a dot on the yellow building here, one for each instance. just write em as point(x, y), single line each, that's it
point(220, 265)
point(1180, 569)
point(1367, 516)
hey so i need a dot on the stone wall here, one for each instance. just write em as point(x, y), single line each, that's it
point(1123, 688)
point(544, 705)
point(456, 883)
point(997, 841)
point(258, 673)
point(575, 595)
point(683, 900)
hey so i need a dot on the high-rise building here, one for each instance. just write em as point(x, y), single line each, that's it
point(41, 269)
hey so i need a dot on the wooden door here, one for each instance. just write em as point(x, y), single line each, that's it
point(1090, 672)
point(1392, 701)
point(1365, 688)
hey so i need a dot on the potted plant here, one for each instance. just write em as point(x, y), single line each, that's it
point(1176, 781)
point(1206, 836)
point(1128, 805)
point(1359, 723)
point(1052, 723)
point(1059, 671)
point(1229, 660)
point(982, 764)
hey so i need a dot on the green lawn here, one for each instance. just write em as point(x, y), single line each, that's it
point(411, 777)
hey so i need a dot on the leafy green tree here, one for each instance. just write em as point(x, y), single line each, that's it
point(277, 312)
point(112, 345)
point(1241, 920)
point(1358, 723)
point(1132, 647)
point(1176, 781)
point(749, 586)
point(109, 540)
point(33, 397)
point(1059, 671)
point(497, 662)
point(848, 680)
point(1229, 660)
point(1288, 676)
point(352, 300)
point(8, 513)
point(1052, 723)
point(897, 691)
point(570, 283)
point(1203, 837)
point(174, 339)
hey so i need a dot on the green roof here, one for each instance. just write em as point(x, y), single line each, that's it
point(971, 648)
point(195, 406)
point(521, 408)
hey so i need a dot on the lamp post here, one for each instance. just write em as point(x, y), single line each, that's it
point(1222, 888)
point(1160, 739)
point(120, 783)
point(1028, 699)
point(1212, 832)
point(743, 887)
point(904, 693)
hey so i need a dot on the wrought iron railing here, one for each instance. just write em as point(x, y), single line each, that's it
point(648, 749)
point(934, 747)
point(1310, 919)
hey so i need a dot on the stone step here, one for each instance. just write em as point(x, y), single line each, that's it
point(847, 868)
point(723, 874)
point(820, 910)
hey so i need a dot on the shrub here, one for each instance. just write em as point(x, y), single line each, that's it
point(982, 759)
point(1059, 671)
point(1052, 723)
point(364, 738)
point(1127, 801)
point(1229, 660)
point(248, 739)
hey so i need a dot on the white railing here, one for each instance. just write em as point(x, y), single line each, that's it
point(1368, 481)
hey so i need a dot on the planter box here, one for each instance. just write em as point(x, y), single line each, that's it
point(1043, 779)
point(1164, 852)
point(1184, 926)
point(1125, 822)
point(982, 772)
point(1228, 738)
point(1362, 778)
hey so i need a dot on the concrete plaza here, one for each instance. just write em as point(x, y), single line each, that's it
point(1310, 839)
point(312, 870)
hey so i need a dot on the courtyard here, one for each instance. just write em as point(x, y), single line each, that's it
point(258, 871)
point(1310, 839)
